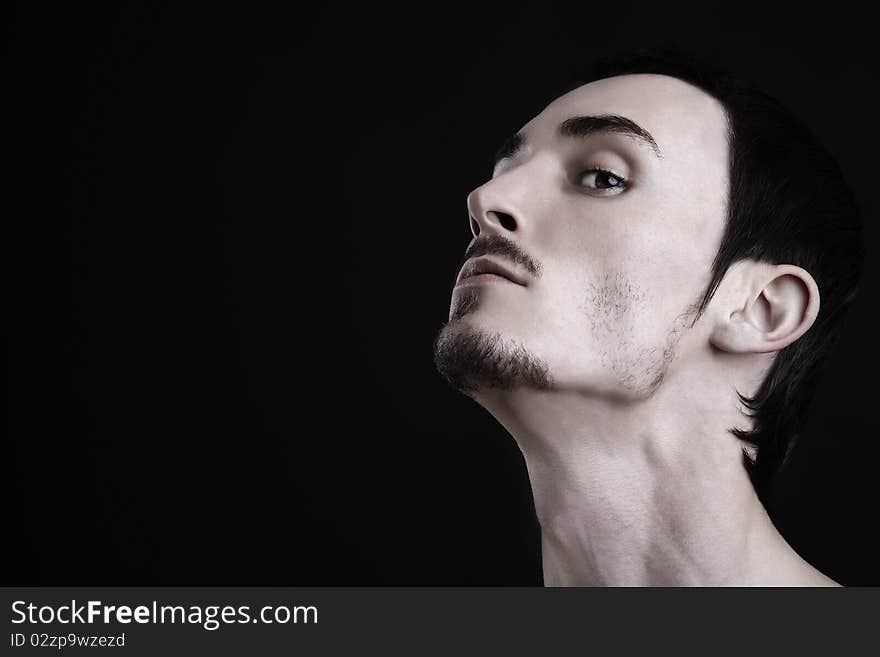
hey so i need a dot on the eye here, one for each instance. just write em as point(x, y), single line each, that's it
point(602, 180)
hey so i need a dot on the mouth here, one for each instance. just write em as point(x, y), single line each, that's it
point(484, 270)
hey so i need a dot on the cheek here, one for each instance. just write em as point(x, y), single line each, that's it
point(610, 308)
point(669, 260)
point(606, 239)
point(675, 269)
point(623, 270)
point(590, 304)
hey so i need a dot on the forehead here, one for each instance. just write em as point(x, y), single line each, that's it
point(685, 121)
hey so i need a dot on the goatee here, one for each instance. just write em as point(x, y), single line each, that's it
point(471, 359)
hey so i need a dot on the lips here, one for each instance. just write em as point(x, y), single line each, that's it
point(477, 266)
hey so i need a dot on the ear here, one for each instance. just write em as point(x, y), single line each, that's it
point(773, 307)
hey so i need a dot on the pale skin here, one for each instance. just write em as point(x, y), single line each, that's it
point(636, 478)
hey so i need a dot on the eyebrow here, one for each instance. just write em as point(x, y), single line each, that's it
point(579, 127)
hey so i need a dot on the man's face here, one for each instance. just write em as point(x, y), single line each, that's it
point(610, 226)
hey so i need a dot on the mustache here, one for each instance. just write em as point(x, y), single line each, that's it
point(500, 246)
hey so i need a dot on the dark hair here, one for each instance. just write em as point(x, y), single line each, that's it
point(788, 204)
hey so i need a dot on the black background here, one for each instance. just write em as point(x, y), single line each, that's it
point(230, 240)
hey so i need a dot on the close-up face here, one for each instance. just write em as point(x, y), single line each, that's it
point(606, 211)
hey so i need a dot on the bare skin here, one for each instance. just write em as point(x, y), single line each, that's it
point(619, 397)
point(646, 497)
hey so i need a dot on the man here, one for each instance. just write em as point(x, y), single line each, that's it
point(660, 263)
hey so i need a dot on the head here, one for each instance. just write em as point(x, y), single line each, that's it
point(659, 214)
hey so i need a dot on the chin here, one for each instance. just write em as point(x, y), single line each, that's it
point(473, 358)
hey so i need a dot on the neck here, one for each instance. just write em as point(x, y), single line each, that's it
point(627, 495)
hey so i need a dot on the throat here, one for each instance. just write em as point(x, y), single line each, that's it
point(646, 516)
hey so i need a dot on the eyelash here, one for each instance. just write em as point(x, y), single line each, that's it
point(623, 182)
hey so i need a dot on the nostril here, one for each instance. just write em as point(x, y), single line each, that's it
point(507, 221)
point(475, 227)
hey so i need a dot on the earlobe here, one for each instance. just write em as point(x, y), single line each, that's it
point(776, 307)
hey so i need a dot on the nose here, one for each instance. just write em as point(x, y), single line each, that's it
point(490, 211)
